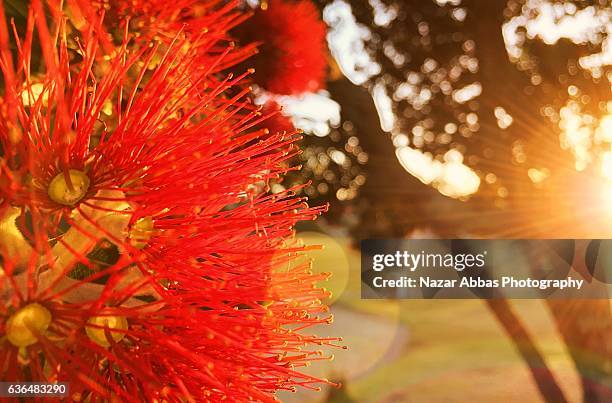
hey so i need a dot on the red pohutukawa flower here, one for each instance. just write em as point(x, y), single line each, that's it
point(164, 20)
point(141, 257)
point(292, 51)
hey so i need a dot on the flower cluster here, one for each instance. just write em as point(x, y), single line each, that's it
point(292, 55)
point(142, 255)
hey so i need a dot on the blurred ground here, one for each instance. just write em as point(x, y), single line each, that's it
point(426, 350)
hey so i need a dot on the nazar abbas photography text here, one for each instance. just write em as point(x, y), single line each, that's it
point(421, 266)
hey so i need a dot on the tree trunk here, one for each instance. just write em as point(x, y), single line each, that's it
point(586, 328)
point(542, 375)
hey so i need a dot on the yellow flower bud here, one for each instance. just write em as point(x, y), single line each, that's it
point(23, 326)
point(61, 193)
point(98, 334)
